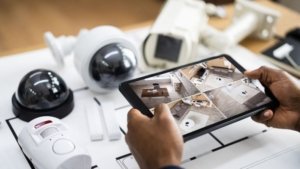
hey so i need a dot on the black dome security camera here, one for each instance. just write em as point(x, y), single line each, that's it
point(42, 93)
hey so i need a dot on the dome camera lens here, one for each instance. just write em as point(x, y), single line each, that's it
point(112, 64)
point(42, 92)
point(42, 89)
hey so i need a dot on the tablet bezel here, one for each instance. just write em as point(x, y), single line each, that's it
point(137, 103)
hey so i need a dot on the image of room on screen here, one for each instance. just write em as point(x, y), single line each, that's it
point(186, 81)
point(195, 112)
point(203, 109)
point(212, 74)
point(163, 88)
point(237, 97)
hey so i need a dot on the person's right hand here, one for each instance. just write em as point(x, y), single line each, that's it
point(287, 91)
point(154, 142)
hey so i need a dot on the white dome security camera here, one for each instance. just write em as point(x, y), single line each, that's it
point(104, 56)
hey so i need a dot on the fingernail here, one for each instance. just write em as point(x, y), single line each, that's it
point(247, 71)
point(267, 113)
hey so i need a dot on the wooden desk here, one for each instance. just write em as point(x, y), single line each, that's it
point(161, 92)
point(23, 24)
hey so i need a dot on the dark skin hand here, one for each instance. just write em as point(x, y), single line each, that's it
point(155, 142)
point(287, 91)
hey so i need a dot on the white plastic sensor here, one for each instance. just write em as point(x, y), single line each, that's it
point(284, 52)
point(112, 126)
point(250, 18)
point(94, 121)
point(49, 144)
point(174, 36)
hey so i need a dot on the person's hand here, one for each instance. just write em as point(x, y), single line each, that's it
point(154, 142)
point(287, 91)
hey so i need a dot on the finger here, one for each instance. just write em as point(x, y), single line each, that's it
point(263, 117)
point(264, 74)
point(134, 118)
point(134, 114)
point(162, 111)
point(127, 139)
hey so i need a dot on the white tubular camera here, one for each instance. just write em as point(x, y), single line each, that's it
point(174, 36)
point(104, 56)
point(49, 144)
point(250, 18)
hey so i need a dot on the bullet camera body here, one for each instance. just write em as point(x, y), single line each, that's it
point(174, 37)
point(104, 56)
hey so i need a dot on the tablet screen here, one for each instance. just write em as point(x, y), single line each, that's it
point(201, 94)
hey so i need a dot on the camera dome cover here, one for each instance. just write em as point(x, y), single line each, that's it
point(42, 92)
point(112, 64)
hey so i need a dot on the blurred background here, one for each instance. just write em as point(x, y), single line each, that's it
point(23, 22)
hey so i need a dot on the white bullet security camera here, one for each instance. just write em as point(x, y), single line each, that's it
point(49, 144)
point(182, 27)
point(104, 56)
point(173, 38)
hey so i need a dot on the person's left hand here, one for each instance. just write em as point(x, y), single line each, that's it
point(154, 142)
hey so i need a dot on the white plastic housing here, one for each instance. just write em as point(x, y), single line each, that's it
point(59, 47)
point(49, 144)
point(180, 19)
point(250, 18)
point(266, 18)
point(88, 44)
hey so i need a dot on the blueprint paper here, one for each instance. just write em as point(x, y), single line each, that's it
point(244, 144)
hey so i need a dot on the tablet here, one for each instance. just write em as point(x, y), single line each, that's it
point(202, 96)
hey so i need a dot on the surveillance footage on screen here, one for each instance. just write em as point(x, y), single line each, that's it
point(201, 94)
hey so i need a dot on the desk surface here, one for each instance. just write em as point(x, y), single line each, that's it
point(255, 146)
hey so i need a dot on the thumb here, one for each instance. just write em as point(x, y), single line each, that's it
point(134, 116)
point(162, 112)
point(265, 75)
